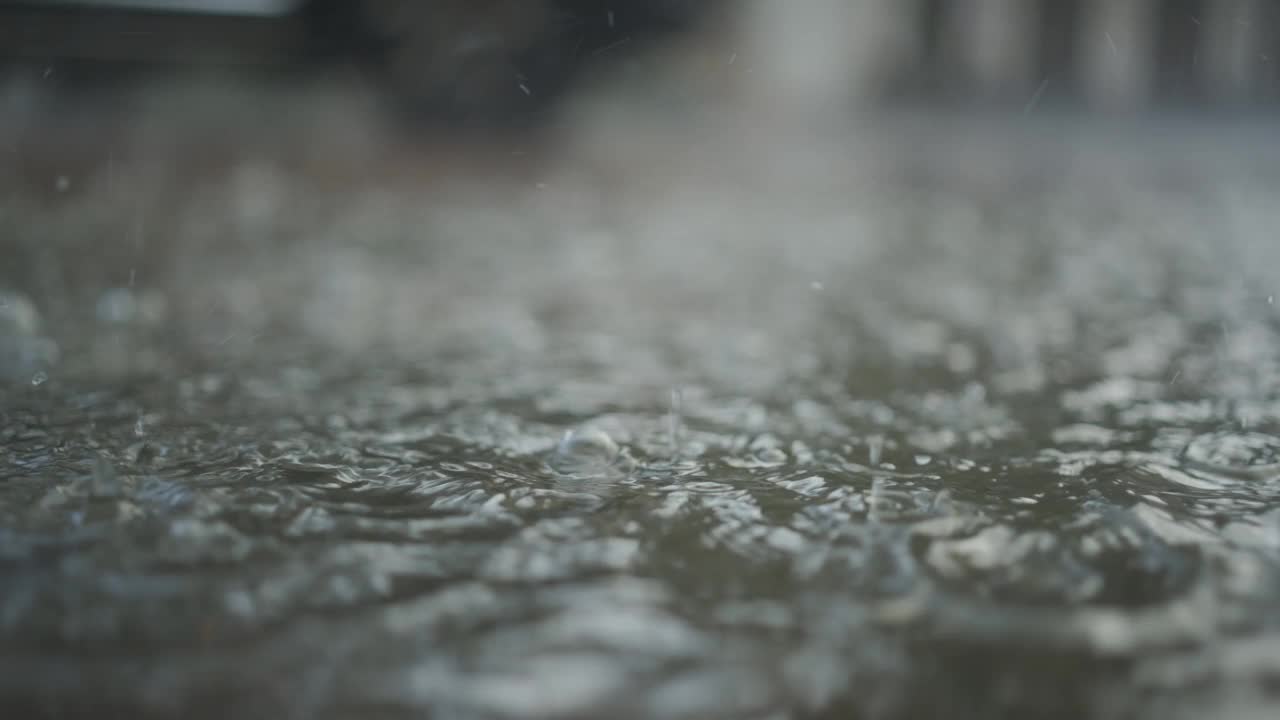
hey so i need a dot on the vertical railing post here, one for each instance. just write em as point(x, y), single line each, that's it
point(1116, 52)
point(1232, 57)
point(994, 44)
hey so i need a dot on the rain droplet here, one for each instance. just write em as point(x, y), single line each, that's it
point(673, 421)
point(39, 378)
point(584, 451)
point(63, 183)
point(816, 286)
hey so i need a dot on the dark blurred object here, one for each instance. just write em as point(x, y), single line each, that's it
point(486, 61)
point(56, 32)
point(462, 62)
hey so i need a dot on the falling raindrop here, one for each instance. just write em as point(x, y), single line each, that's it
point(673, 421)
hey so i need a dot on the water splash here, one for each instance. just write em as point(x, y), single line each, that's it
point(586, 451)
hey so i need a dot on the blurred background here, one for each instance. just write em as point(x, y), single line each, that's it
point(140, 106)
point(503, 61)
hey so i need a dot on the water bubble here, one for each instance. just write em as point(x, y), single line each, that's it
point(39, 378)
point(770, 456)
point(63, 183)
point(584, 451)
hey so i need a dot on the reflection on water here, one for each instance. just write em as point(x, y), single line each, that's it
point(675, 426)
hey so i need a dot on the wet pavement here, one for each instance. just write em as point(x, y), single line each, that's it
point(652, 417)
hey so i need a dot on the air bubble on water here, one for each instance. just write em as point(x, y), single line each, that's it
point(770, 456)
point(923, 459)
point(765, 452)
point(816, 286)
point(39, 378)
point(584, 451)
point(63, 183)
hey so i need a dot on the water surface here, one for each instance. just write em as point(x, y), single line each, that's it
point(886, 425)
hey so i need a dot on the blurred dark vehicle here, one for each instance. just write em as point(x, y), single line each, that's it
point(469, 62)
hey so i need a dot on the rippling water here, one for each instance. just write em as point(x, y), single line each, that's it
point(963, 434)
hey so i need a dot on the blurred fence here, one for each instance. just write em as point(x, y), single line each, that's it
point(504, 57)
point(1104, 54)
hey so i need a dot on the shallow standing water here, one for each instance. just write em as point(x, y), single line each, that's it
point(881, 424)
